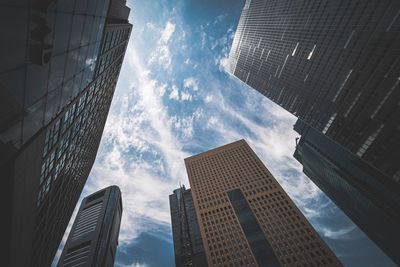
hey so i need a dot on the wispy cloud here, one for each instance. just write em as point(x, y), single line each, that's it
point(191, 83)
point(342, 233)
point(162, 54)
point(178, 95)
point(139, 151)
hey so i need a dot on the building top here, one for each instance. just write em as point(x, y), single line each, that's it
point(118, 12)
point(216, 150)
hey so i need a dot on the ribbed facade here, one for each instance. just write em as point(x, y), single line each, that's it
point(93, 239)
point(72, 58)
point(245, 217)
point(333, 64)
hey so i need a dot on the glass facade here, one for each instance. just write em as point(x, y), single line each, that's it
point(49, 136)
point(47, 58)
point(78, 129)
point(371, 201)
point(335, 65)
point(188, 244)
point(262, 250)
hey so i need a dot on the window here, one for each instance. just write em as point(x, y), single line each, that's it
point(329, 123)
point(342, 85)
point(385, 98)
point(364, 147)
point(311, 53)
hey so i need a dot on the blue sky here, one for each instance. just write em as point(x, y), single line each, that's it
point(175, 99)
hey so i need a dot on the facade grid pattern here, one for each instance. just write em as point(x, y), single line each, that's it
point(333, 63)
point(59, 67)
point(213, 174)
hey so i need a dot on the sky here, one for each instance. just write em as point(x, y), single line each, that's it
point(174, 99)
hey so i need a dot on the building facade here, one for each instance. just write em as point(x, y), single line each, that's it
point(188, 244)
point(353, 186)
point(93, 239)
point(245, 217)
point(58, 75)
point(333, 64)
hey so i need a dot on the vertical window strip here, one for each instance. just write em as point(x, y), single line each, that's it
point(293, 102)
point(329, 123)
point(385, 98)
point(352, 104)
point(294, 50)
point(283, 66)
point(348, 40)
point(342, 85)
point(266, 58)
point(368, 142)
point(247, 78)
point(312, 52)
point(393, 20)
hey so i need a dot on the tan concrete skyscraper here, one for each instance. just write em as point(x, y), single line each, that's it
point(245, 217)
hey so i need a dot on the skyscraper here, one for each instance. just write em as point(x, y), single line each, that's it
point(245, 217)
point(93, 239)
point(362, 192)
point(333, 64)
point(59, 67)
point(188, 244)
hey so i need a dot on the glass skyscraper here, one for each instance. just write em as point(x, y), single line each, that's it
point(188, 244)
point(362, 192)
point(333, 64)
point(59, 66)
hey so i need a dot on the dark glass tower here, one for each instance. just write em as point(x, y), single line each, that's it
point(363, 193)
point(93, 239)
point(333, 64)
point(188, 244)
point(59, 66)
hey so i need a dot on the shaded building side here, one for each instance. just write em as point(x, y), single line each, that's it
point(368, 199)
point(188, 244)
point(93, 239)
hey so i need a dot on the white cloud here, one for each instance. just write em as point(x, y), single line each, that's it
point(139, 122)
point(186, 96)
point(212, 121)
point(177, 95)
point(273, 139)
point(192, 83)
point(222, 61)
point(208, 98)
point(167, 32)
point(224, 64)
point(339, 233)
point(184, 125)
point(174, 93)
point(151, 26)
point(162, 53)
